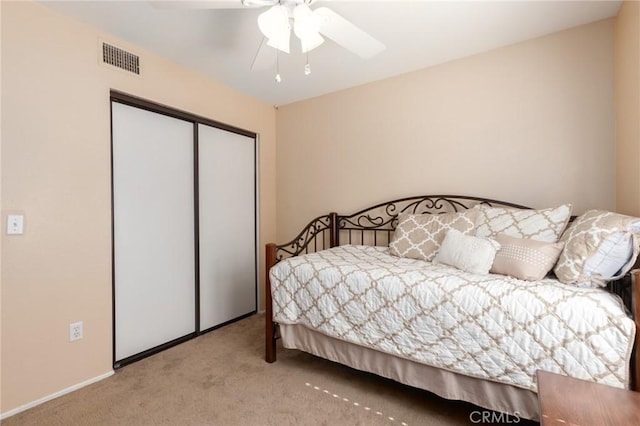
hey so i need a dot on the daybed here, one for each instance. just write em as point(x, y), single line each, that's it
point(412, 304)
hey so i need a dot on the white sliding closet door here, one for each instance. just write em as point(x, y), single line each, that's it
point(227, 222)
point(154, 242)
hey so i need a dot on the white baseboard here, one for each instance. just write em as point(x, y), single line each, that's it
point(55, 395)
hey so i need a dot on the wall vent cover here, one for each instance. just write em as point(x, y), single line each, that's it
point(120, 58)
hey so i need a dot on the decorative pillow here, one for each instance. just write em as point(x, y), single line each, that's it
point(466, 252)
point(524, 258)
point(599, 246)
point(418, 236)
point(541, 225)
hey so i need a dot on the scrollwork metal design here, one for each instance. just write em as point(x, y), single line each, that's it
point(384, 216)
point(310, 232)
point(363, 222)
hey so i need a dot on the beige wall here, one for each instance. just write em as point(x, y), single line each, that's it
point(532, 123)
point(1, 217)
point(56, 170)
point(627, 77)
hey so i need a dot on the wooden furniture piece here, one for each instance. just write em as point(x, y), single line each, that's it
point(374, 226)
point(568, 401)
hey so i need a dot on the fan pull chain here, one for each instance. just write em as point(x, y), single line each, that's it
point(278, 78)
point(307, 67)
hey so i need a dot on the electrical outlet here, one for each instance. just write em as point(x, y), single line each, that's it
point(75, 331)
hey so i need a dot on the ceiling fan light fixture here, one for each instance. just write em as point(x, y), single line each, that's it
point(310, 42)
point(306, 26)
point(274, 25)
point(259, 3)
point(304, 20)
point(280, 43)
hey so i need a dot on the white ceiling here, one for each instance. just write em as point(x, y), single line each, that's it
point(222, 43)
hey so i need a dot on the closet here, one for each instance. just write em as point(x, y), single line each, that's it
point(184, 226)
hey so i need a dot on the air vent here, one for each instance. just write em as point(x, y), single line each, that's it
point(119, 58)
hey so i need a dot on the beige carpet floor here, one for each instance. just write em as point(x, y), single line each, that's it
point(221, 378)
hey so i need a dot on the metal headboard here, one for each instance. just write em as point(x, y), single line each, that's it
point(375, 225)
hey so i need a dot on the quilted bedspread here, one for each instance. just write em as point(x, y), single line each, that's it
point(487, 326)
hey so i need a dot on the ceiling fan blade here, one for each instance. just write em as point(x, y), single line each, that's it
point(197, 4)
point(265, 57)
point(347, 35)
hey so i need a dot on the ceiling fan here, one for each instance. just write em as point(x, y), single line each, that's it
point(309, 25)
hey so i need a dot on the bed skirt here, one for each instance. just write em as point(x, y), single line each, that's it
point(492, 395)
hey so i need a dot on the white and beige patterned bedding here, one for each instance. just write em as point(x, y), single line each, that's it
point(487, 326)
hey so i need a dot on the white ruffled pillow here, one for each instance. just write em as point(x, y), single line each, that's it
point(466, 252)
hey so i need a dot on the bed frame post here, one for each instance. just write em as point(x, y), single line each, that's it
point(635, 308)
point(270, 332)
point(333, 234)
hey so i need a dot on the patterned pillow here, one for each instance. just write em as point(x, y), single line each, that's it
point(524, 258)
point(467, 253)
point(418, 236)
point(599, 246)
point(541, 225)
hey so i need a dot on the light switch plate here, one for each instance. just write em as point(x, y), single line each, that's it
point(15, 224)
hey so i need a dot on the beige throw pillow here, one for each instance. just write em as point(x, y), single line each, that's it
point(541, 225)
point(418, 236)
point(524, 258)
point(599, 246)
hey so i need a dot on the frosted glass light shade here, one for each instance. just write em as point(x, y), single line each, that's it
point(274, 25)
point(281, 42)
point(306, 26)
point(311, 41)
point(259, 3)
